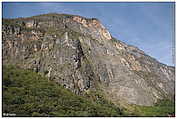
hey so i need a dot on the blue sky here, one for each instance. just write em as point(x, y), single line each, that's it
point(149, 26)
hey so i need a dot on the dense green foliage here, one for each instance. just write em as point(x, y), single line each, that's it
point(26, 93)
point(162, 108)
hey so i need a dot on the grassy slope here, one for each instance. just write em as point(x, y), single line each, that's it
point(163, 108)
point(26, 93)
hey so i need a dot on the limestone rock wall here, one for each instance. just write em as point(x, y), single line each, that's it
point(81, 55)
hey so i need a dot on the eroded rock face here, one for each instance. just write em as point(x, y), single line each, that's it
point(94, 26)
point(81, 55)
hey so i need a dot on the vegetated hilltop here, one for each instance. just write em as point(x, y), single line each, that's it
point(81, 55)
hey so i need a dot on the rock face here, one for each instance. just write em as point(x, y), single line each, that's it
point(80, 54)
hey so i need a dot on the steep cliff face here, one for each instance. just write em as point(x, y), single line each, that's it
point(80, 54)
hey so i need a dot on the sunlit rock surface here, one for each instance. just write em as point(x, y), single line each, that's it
point(80, 54)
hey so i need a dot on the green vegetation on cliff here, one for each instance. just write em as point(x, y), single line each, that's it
point(26, 93)
point(161, 109)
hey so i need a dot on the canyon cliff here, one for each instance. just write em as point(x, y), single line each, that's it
point(80, 54)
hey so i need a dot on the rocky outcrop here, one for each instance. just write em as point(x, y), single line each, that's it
point(94, 26)
point(80, 54)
